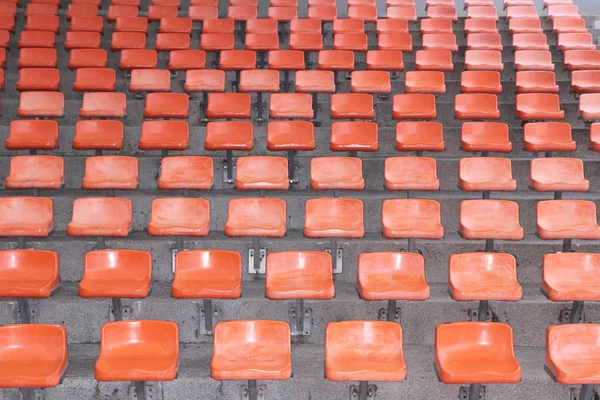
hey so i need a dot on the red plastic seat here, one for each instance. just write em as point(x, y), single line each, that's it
point(530, 41)
point(568, 25)
point(110, 172)
point(555, 2)
point(100, 216)
point(175, 25)
point(558, 174)
point(229, 105)
point(285, 60)
point(150, 80)
point(183, 60)
point(476, 352)
point(41, 104)
point(138, 351)
point(164, 135)
point(28, 273)
point(8, 8)
point(37, 58)
point(87, 58)
point(367, 13)
point(480, 25)
point(567, 350)
point(38, 79)
point(558, 270)
point(483, 60)
point(478, 3)
point(347, 26)
point(434, 60)
point(262, 173)
point(82, 40)
point(172, 41)
point(242, 13)
point(36, 39)
point(352, 42)
point(98, 135)
point(32, 355)
point(532, 106)
point(562, 11)
point(305, 26)
point(87, 24)
point(484, 41)
point(39, 23)
point(525, 25)
point(490, 219)
point(336, 60)
point(391, 25)
point(26, 216)
point(203, 13)
point(575, 41)
point(589, 106)
point(385, 60)
point(411, 218)
point(306, 41)
point(419, 136)
point(118, 11)
point(514, 3)
point(251, 350)
point(413, 106)
point(521, 12)
point(290, 105)
point(336, 173)
point(567, 219)
point(582, 59)
point(157, 12)
point(39, 172)
point(411, 173)
point(395, 42)
point(440, 41)
point(424, 82)
point(186, 172)
point(486, 173)
point(476, 106)
point(290, 135)
point(533, 60)
point(536, 82)
point(32, 134)
point(364, 351)
point(404, 272)
point(213, 274)
point(436, 25)
point(263, 25)
point(256, 217)
point(408, 13)
point(204, 80)
point(132, 24)
point(333, 217)
point(179, 216)
point(480, 82)
point(548, 136)
point(585, 81)
point(259, 80)
point(312, 271)
point(116, 273)
point(352, 105)
point(483, 277)
point(482, 12)
point(354, 136)
point(95, 80)
point(322, 13)
point(314, 81)
point(485, 136)
point(370, 82)
point(127, 40)
point(262, 42)
point(229, 135)
point(41, 9)
point(103, 104)
point(166, 105)
point(81, 10)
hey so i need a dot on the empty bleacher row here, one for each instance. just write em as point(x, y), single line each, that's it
point(179, 73)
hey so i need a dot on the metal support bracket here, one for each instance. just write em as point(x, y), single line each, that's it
point(100, 243)
point(24, 314)
point(391, 313)
point(585, 392)
point(177, 249)
point(489, 245)
point(31, 394)
point(141, 390)
point(574, 315)
point(473, 392)
point(483, 313)
point(252, 391)
point(258, 265)
point(363, 391)
point(300, 319)
point(208, 317)
point(228, 168)
point(126, 312)
point(339, 256)
point(292, 167)
point(566, 247)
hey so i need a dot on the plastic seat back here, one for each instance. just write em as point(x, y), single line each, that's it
point(567, 219)
point(28, 273)
point(26, 216)
point(256, 217)
point(100, 216)
point(333, 217)
point(411, 218)
point(312, 272)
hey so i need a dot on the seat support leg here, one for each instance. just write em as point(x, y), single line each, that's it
point(100, 243)
point(482, 312)
point(363, 390)
point(292, 171)
point(411, 245)
point(28, 394)
point(256, 257)
point(548, 154)
point(566, 247)
point(315, 106)
point(24, 312)
point(474, 390)
point(391, 311)
point(300, 319)
point(419, 153)
point(117, 306)
point(587, 392)
point(35, 192)
point(140, 390)
point(252, 390)
point(336, 254)
point(259, 107)
point(576, 312)
point(21, 242)
point(557, 195)
point(229, 166)
point(204, 107)
point(208, 315)
point(307, 60)
point(489, 245)
point(486, 194)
